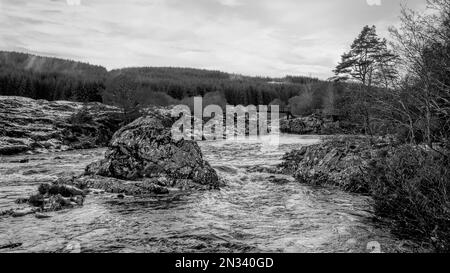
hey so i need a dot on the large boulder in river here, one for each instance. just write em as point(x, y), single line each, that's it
point(145, 150)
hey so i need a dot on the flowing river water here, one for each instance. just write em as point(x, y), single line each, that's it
point(254, 212)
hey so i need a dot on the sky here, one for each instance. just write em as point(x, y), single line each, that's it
point(251, 37)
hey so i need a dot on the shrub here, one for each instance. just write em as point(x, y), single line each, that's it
point(410, 187)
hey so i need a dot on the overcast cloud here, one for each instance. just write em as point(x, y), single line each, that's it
point(252, 37)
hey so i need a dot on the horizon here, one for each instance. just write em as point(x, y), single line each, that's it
point(244, 37)
point(158, 67)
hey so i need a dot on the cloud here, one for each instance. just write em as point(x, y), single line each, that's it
point(255, 37)
point(231, 3)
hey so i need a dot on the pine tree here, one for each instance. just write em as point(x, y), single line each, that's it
point(369, 61)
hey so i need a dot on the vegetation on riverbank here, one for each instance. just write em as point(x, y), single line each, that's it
point(405, 93)
point(410, 186)
point(409, 183)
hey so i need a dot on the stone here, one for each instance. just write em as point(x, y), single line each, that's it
point(40, 126)
point(145, 149)
point(337, 161)
point(316, 124)
point(64, 190)
point(11, 246)
point(262, 169)
point(50, 197)
point(39, 215)
point(121, 187)
point(23, 212)
point(58, 202)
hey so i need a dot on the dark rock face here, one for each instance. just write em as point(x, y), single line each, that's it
point(144, 149)
point(39, 126)
point(315, 125)
point(339, 161)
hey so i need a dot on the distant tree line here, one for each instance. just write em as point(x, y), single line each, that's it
point(49, 78)
point(55, 79)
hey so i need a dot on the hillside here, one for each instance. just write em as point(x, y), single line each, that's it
point(49, 65)
point(57, 79)
point(50, 78)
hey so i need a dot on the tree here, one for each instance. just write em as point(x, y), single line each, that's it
point(124, 92)
point(423, 44)
point(370, 63)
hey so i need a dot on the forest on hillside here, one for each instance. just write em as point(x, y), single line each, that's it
point(49, 78)
point(56, 79)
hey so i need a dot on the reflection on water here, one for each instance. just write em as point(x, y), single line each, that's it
point(252, 213)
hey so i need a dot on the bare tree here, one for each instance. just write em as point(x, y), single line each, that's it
point(124, 92)
point(423, 44)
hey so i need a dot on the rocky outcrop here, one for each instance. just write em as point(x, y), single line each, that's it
point(315, 125)
point(98, 184)
point(338, 161)
point(36, 126)
point(144, 151)
point(49, 198)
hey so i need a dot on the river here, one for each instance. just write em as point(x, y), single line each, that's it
point(255, 212)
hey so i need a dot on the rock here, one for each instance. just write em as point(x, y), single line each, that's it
point(278, 180)
point(11, 246)
point(6, 212)
point(23, 212)
point(22, 201)
point(40, 126)
point(117, 186)
point(144, 149)
point(63, 190)
point(39, 215)
point(262, 169)
point(338, 161)
point(51, 197)
point(316, 124)
point(9, 146)
point(58, 202)
point(36, 200)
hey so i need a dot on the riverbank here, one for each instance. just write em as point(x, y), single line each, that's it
point(317, 124)
point(408, 183)
point(40, 126)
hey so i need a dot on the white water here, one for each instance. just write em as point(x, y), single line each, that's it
point(254, 212)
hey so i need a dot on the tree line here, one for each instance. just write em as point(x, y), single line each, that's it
point(403, 88)
point(55, 79)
